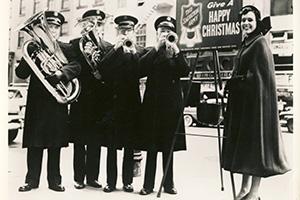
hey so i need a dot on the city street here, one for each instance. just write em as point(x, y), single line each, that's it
point(196, 175)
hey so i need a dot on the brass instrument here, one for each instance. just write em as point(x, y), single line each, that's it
point(128, 43)
point(47, 58)
point(172, 37)
point(90, 37)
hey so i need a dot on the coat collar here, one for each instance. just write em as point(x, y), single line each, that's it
point(250, 39)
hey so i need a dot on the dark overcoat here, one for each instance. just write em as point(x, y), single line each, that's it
point(163, 101)
point(90, 115)
point(46, 121)
point(120, 70)
point(253, 143)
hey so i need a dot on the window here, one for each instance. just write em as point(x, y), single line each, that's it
point(98, 2)
point(122, 3)
point(140, 2)
point(22, 8)
point(20, 39)
point(280, 7)
point(82, 4)
point(64, 29)
point(50, 5)
point(36, 6)
point(65, 4)
point(141, 36)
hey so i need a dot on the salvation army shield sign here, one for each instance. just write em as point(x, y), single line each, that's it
point(207, 24)
point(190, 17)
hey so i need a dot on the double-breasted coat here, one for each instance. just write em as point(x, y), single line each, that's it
point(253, 143)
point(163, 101)
point(91, 114)
point(120, 70)
point(46, 121)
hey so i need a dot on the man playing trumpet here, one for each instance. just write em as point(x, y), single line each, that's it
point(163, 65)
point(120, 69)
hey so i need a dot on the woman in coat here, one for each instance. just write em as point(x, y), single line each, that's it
point(162, 103)
point(253, 146)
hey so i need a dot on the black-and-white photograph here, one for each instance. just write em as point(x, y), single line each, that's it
point(150, 99)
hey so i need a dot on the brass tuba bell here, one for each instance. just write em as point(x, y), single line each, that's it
point(47, 58)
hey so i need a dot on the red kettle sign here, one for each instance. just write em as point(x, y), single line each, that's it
point(206, 24)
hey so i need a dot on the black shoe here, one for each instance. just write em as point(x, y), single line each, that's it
point(109, 188)
point(94, 184)
point(57, 187)
point(27, 187)
point(128, 188)
point(145, 191)
point(79, 185)
point(170, 190)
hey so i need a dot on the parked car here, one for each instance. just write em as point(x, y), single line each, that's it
point(286, 118)
point(16, 110)
point(190, 116)
point(190, 113)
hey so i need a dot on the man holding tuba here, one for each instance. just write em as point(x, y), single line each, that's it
point(163, 65)
point(45, 119)
point(90, 114)
point(120, 70)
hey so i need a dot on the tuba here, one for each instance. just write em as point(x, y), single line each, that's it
point(90, 36)
point(47, 58)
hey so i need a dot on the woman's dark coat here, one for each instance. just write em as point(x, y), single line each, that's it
point(162, 102)
point(90, 115)
point(120, 71)
point(46, 121)
point(253, 143)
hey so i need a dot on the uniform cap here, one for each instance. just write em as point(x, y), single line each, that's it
point(165, 21)
point(54, 17)
point(126, 21)
point(94, 13)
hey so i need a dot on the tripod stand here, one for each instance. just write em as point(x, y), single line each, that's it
point(217, 83)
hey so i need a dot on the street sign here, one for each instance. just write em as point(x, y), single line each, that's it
point(208, 24)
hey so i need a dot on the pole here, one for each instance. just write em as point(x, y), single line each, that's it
point(177, 127)
point(232, 185)
point(216, 73)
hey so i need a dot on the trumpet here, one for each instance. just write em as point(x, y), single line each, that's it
point(128, 43)
point(172, 37)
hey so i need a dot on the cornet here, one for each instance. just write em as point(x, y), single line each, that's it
point(172, 37)
point(128, 43)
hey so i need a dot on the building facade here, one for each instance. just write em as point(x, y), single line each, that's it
point(146, 11)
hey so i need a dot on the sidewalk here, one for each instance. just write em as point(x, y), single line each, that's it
point(196, 175)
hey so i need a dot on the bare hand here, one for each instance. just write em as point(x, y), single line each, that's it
point(172, 48)
point(120, 41)
point(97, 75)
point(161, 41)
point(89, 48)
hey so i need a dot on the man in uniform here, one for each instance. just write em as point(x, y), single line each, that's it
point(91, 109)
point(163, 65)
point(120, 70)
point(45, 119)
